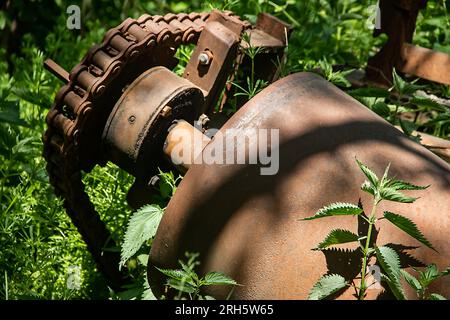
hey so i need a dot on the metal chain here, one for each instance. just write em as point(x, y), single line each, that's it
point(76, 119)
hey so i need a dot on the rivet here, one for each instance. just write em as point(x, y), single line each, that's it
point(100, 89)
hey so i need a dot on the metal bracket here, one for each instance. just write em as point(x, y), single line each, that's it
point(212, 59)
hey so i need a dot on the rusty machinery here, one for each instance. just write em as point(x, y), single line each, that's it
point(123, 104)
point(398, 22)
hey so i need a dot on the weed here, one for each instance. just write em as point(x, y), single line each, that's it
point(384, 189)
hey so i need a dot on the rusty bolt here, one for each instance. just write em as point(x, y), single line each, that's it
point(205, 57)
point(203, 120)
point(166, 111)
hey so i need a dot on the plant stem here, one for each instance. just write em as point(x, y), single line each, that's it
point(362, 289)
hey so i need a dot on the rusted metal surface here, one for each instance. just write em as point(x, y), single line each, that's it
point(57, 70)
point(72, 142)
point(183, 144)
point(425, 63)
point(398, 22)
point(219, 40)
point(247, 225)
point(439, 146)
point(271, 35)
point(134, 134)
point(76, 120)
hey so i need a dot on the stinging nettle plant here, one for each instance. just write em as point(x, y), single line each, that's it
point(387, 189)
point(189, 284)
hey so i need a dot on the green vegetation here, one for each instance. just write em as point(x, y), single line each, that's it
point(39, 244)
point(188, 283)
point(380, 189)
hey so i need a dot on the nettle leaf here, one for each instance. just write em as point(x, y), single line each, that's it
point(326, 286)
point(411, 280)
point(176, 274)
point(408, 127)
point(384, 179)
point(402, 185)
point(217, 278)
point(390, 262)
point(408, 226)
point(391, 194)
point(368, 187)
point(430, 274)
point(143, 259)
point(337, 236)
point(435, 296)
point(371, 176)
point(381, 108)
point(182, 286)
point(395, 287)
point(142, 226)
point(336, 209)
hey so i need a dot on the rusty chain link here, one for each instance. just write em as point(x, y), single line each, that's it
point(76, 119)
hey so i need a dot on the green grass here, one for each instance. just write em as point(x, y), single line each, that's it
point(37, 240)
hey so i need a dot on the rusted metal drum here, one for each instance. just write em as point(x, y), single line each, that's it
point(247, 226)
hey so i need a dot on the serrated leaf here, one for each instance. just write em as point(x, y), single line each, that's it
point(435, 296)
point(403, 87)
point(430, 274)
point(176, 274)
point(407, 126)
point(371, 176)
point(411, 280)
point(141, 227)
point(143, 259)
point(381, 109)
point(217, 278)
point(391, 194)
point(408, 226)
point(179, 280)
point(390, 262)
point(395, 287)
point(402, 185)
point(426, 102)
point(183, 286)
point(326, 286)
point(336, 209)
point(337, 236)
point(368, 187)
point(384, 179)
